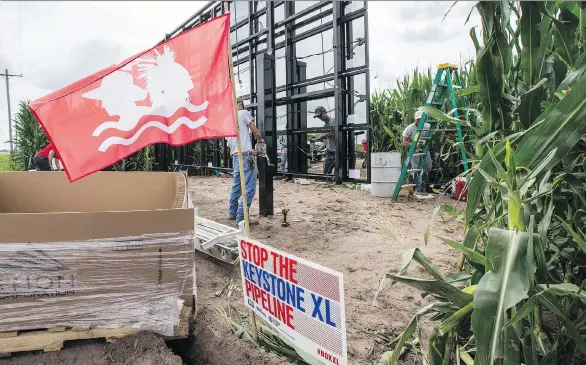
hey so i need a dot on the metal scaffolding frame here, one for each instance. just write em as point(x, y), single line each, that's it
point(257, 51)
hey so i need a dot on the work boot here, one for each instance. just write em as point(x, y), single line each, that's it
point(231, 218)
point(252, 222)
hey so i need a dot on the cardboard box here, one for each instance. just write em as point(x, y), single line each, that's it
point(112, 249)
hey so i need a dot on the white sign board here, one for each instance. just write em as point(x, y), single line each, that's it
point(302, 301)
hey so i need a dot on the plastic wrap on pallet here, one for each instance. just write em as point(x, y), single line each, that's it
point(116, 282)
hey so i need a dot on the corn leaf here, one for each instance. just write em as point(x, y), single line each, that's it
point(471, 238)
point(468, 360)
point(505, 284)
point(434, 113)
point(575, 185)
point(573, 76)
point(565, 36)
point(409, 330)
point(539, 168)
point(416, 255)
point(452, 321)
point(555, 307)
point(531, 62)
point(500, 170)
point(440, 289)
point(559, 127)
point(531, 41)
point(579, 240)
point(511, 350)
point(471, 90)
point(471, 254)
point(438, 348)
point(431, 221)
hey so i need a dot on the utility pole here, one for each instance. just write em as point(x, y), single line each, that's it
point(7, 76)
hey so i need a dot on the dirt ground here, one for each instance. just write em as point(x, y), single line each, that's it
point(140, 349)
point(346, 230)
point(336, 226)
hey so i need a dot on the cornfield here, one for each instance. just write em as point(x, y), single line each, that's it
point(393, 109)
point(30, 138)
point(519, 297)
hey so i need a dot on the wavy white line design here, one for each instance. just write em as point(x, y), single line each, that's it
point(128, 122)
point(112, 141)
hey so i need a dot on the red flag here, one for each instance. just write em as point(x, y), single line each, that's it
point(175, 93)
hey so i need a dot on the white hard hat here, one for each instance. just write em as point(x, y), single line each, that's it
point(418, 115)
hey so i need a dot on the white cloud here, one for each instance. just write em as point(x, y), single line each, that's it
point(55, 43)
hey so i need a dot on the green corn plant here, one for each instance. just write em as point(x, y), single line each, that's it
point(393, 109)
point(138, 161)
point(525, 244)
point(29, 138)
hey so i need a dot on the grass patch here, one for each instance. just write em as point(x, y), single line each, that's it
point(5, 161)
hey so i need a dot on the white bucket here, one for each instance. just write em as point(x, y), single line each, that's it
point(385, 170)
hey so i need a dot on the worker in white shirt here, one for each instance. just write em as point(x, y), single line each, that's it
point(408, 136)
point(245, 125)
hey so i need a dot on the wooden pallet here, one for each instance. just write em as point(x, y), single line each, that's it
point(52, 339)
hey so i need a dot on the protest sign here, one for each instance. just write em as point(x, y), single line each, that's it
point(302, 301)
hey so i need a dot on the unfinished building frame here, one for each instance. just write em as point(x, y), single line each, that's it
point(290, 57)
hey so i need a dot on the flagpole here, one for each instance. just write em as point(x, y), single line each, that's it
point(240, 161)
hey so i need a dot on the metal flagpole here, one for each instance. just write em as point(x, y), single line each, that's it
point(240, 161)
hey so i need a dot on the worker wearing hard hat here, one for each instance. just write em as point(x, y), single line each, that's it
point(408, 136)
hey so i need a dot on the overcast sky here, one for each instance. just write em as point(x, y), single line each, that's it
point(55, 43)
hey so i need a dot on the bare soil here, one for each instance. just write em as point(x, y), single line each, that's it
point(143, 348)
point(336, 226)
point(339, 227)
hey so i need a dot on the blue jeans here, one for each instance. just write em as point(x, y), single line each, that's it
point(236, 208)
point(418, 175)
point(329, 162)
point(283, 161)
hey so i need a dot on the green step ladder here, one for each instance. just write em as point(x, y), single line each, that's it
point(442, 87)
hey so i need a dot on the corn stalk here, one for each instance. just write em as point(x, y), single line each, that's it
point(525, 248)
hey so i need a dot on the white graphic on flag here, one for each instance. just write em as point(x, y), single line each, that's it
point(167, 84)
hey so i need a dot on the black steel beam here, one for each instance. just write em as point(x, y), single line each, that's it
point(209, 168)
point(348, 82)
point(291, 77)
point(307, 21)
point(312, 95)
point(354, 71)
point(310, 175)
point(348, 127)
point(367, 93)
point(338, 96)
point(301, 118)
point(202, 153)
point(291, 16)
point(307, 82)
point(267, 123)
point(305, 35)
point(352, 16)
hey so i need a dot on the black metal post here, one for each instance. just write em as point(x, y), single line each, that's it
point(338, 97)
point(301, 121)
point(367, 93)
point(349, 83)
point(291, 77)
point(267, 123)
